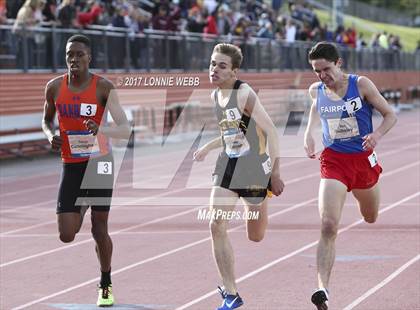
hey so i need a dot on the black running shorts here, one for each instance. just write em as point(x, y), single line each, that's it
point(91, 181)
point(245, 176)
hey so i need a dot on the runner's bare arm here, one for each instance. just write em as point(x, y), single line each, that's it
point(313, 122)
point(202, 152)
point(249, 103)
point(49, 114)
point(370, 93)
point(107, 96)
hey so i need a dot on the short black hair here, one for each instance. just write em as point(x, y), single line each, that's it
point(79, 38)
point(326, 50)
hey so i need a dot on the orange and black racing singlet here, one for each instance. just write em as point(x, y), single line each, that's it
point(79, 144)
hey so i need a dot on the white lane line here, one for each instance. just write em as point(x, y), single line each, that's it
point(382, 283)
point(150, 259)
point(130, 227)
point(91, 239)
point(291, 254)
point(152, 167)
point(26, 228)
point(202, 241)
point(161, 219)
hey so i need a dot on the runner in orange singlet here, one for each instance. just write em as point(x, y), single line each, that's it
point(82, 101)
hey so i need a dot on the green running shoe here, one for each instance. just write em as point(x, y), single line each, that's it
point(105, 297)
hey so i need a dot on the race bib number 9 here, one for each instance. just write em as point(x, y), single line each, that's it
point(104, 167)
point(88, 109)
point(233, 114)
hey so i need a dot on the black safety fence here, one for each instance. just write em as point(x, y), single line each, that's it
point(43, 48)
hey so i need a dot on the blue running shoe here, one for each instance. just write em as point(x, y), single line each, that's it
point(229, 301)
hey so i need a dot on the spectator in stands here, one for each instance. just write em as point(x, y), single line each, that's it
point(117, 57)
point(374, 41)
point(161, 20)
point(326, 34)
point(49, 10)
point(223, 21)
point(253, 10)
point(360, 42)
point(66, 18)
point(280, 28)
point(276, 6)
point(394, 43)
point(29, 15)
point(383, 40)
point(241, 29)
point(67, 14)
point(350, 37)
point(91, 15)
point(306, 33)
point(132, 22)
point(339, 35)
point(211, 23)
point(210, 6)
point(13, 7)
point(195, 23)
point(266, 31)
point(3, 17)
point(119, 20)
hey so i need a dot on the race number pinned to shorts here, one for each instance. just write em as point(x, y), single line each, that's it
point(267, 166)
point(88, 109)
point(104, 167)
point(233, 114)
point(373, 159)
point(353, 105)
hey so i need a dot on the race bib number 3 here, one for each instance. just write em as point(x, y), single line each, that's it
point(104, 167)
point(88, 109)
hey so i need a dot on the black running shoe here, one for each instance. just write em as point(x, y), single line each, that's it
point(320, 299)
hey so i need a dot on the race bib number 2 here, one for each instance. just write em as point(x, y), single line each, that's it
point(353, 105)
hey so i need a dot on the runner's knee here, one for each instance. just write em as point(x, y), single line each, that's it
point(369, 214)
point(217, 228)
point(99, 232)
point(67, 237)
point(329, 228)
point(255, 236)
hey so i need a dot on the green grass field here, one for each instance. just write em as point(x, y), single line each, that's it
point(408, 35)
